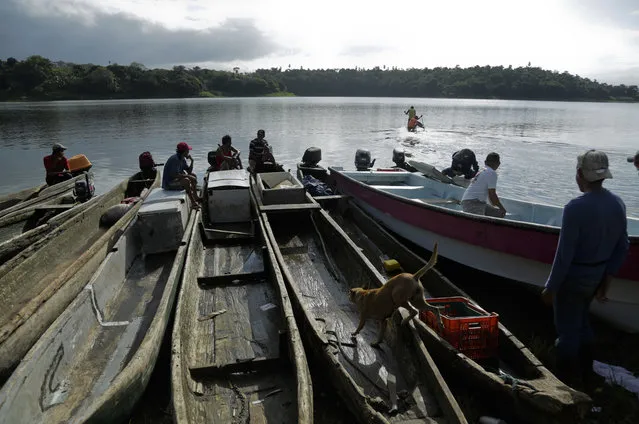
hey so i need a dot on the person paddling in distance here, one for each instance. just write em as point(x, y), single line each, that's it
point(593, 244)
point(178, 175)
point(413, 123)
point(483, 187)
point(411, 112)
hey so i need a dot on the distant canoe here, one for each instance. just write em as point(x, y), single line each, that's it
point(95, 361)
point(41, 281)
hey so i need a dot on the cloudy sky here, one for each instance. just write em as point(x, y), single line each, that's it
point(593, 38)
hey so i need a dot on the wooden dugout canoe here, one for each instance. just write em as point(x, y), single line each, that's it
point(94, 362)
point(237, 355)
point(39, 283)
point(538, 395)
point(22, 223)
point(321, 264)
point(11, 199)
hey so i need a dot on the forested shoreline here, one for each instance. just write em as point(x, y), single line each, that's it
point(38, 78)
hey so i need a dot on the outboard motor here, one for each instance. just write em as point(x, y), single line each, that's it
point(312, 156)
point(310, 164)
point(363, 160)
point(399, 157)
point(84, 189)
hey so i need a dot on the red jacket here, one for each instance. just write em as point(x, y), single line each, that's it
point(54, 164)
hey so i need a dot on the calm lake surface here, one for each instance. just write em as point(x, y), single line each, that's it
point(538, 141)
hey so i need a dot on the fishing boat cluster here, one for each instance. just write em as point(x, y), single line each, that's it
point(258, 280)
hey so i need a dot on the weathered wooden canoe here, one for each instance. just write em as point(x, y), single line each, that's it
point(22, 202)
point(94, 362)
point(39, 283)
point(321, 264)
point(538, 395)
point(32, 212)
point(10, 199)
point(237, 355)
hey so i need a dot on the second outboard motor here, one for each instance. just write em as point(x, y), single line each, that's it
point(399, 157)
point(363, 160)
point(84, 189)
point(312, 156)
point(310, 164)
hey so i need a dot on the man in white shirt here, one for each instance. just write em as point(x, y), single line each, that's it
point(483, 187)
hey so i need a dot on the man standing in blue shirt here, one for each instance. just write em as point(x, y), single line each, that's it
point(178, 175)
point(593, 245)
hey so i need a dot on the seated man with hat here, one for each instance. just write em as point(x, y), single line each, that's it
point(178, 175)
point(57, 165)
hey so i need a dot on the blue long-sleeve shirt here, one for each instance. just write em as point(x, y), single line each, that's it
point(593, 241)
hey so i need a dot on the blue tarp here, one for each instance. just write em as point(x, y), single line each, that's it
point(315, 187)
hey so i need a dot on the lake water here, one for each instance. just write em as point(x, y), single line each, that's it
point(538, 141)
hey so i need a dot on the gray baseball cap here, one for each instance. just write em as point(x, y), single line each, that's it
point(58, 146)
point(594, 165)
point(634, 158)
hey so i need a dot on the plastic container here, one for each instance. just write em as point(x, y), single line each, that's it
point(79, 163)
point(467, 327)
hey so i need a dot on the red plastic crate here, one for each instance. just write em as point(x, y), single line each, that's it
point(468, 328)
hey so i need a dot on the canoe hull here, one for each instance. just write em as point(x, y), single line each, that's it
point(404, 217)
point(360, 373)
point(71, 253)
point(551, 401)
point(234, 312)
point(103, 347)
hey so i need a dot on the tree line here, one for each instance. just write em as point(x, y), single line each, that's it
point(38, 78)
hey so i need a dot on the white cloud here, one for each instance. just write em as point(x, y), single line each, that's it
point(429, 33)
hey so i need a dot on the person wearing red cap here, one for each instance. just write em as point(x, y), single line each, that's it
point(178, 175)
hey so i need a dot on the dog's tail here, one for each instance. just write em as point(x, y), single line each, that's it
point(431, 263)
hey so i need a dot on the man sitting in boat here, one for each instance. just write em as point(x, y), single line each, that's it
point(483, 187)
point(634, 160)
point(226, 156)
point(257, 148)
point(593, 244)
point(464, 163)
point(57, 165)
point(178, 175)
point(413, 123)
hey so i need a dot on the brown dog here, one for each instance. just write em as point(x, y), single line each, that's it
point(398, 291)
